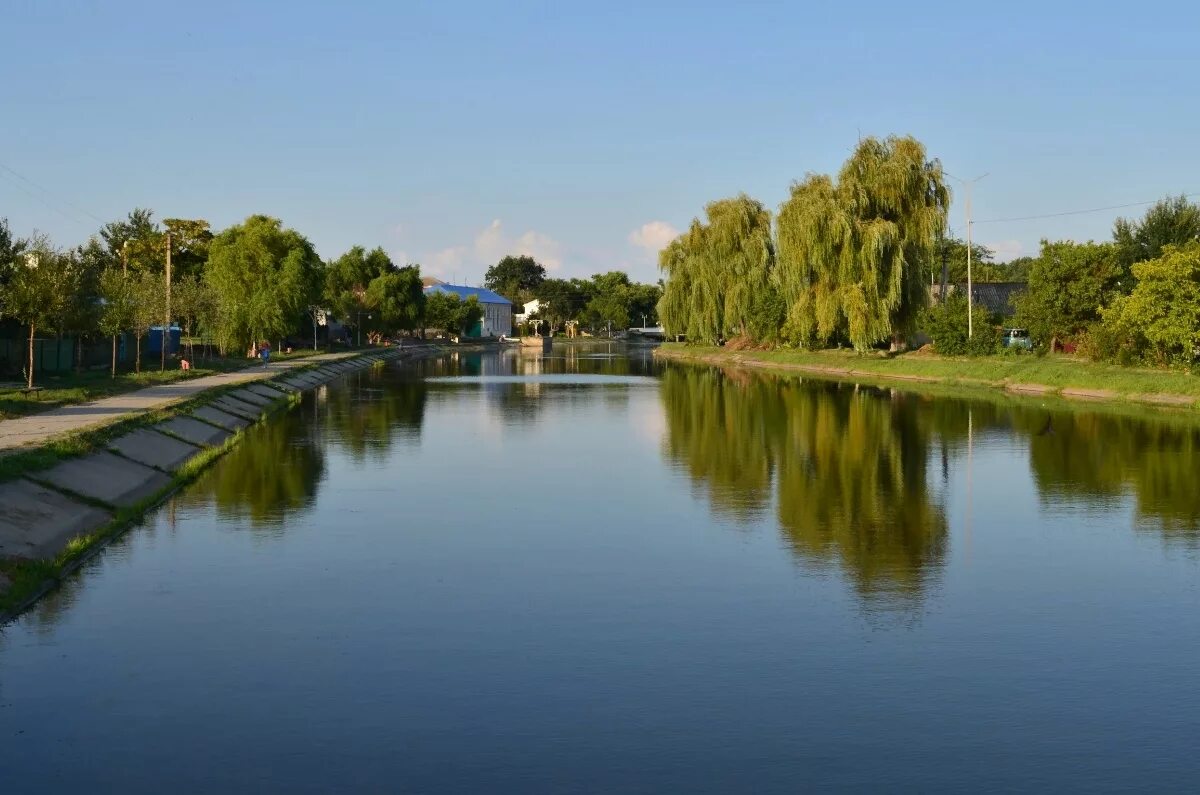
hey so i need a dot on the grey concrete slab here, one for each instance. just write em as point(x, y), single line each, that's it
point(154, 449)
point(230, 422)
point(106, 477)
point(266, 391)
point(194, 431)
point(239, 407)
point(38, 522)
point(247, 396)
point(283, 386)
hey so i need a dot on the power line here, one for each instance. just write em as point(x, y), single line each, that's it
point(1077, 212)
point(64, 202)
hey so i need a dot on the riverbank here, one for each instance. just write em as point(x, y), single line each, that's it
point(63, 502)
point(1031, 375)
point(58, 390)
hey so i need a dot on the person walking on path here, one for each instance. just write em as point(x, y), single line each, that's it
point(266, 353)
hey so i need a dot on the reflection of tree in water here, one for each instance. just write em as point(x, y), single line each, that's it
point(1156, 459)
point(270, 474)
point(719, 430)
point(848, 469)
point(852, 487)
point(372, 410)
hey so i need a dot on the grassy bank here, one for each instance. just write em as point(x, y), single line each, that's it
point(66, 389)
point(1064, 375)
point(29, 580)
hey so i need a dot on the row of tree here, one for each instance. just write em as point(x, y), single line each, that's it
point(605, 301)
point(1135, 298)
point(256, 280)
point(853, 260)
point(847, 259)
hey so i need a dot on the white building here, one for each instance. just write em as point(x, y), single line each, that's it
point(497, 310)
point(530, 309)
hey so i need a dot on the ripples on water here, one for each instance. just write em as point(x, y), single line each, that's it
point(578, 572)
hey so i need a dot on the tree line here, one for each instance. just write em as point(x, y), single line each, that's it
point(257, 280)
point(856, 259)
point(604, 301)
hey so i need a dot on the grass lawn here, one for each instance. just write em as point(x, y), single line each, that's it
point(64, 389)
point(1056, 372)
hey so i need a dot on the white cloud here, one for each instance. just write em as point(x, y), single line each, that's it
point(492, 244)
point(653, 236)
point(1006, 250)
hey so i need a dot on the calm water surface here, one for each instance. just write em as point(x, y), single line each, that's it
point(583, 573)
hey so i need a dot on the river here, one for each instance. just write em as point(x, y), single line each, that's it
point(588, 572)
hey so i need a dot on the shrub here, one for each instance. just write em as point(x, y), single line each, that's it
point(946, 324)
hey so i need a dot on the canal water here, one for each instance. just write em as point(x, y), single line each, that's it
point(585, 572)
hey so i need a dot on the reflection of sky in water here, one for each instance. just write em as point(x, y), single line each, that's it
point(598, 580)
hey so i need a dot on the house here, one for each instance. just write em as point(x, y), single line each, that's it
point(995, 297)
point(497, 310)
point(530, 309)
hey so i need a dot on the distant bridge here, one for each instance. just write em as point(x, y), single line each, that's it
point(649, 332)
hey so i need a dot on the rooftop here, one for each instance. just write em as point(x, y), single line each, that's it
point(484, 295)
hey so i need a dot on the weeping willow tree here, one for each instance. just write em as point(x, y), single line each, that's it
point(851, 254)
point(719, 280)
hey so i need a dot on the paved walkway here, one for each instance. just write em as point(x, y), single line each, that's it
point(40, 428)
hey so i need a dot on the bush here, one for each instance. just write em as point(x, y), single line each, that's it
point(946, 324)
point(1101, 342)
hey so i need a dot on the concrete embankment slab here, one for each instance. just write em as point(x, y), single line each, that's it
point(37, 522)
point(106, 477)
point(230, 422)
point(247, 396)
point(282, 386)
point(265, 391)
point(154, 449)
point(194, 431)
point(240, 408)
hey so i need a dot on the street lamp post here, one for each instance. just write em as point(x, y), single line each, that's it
point(359, 329)
point(967, 184)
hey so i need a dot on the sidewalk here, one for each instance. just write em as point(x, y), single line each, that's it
point(39, 428)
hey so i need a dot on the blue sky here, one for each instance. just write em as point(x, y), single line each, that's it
point(454, 132)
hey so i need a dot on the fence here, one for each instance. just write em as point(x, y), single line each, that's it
point(58, 355)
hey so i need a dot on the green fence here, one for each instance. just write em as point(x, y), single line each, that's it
point(55, 355)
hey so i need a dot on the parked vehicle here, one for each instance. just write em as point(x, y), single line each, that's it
point(1016, 338)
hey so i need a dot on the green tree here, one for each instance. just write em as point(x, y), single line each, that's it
point(149, 306)
point(446, 311)
point(348, 277)
point(264, 277)
point(946, 324)
point(515, 277)
point(1174, 221)
point(117, 307)
point(135, 242)
point(560, 300)
point(853, 256)
point(643, 302)
point(952, 251)
point(1068, 284)
point(194, 305)
point(1162, 314)
point(398, 299)
point(190, 241)
point(81, 314)
point(11, 249)
point(719, 275)
point(39, 293)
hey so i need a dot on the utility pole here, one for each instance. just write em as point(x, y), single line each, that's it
point(165, 338)
point(967, 184)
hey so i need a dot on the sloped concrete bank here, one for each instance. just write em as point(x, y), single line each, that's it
point(54, 520)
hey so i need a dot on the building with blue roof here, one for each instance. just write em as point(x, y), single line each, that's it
point(497, 310)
